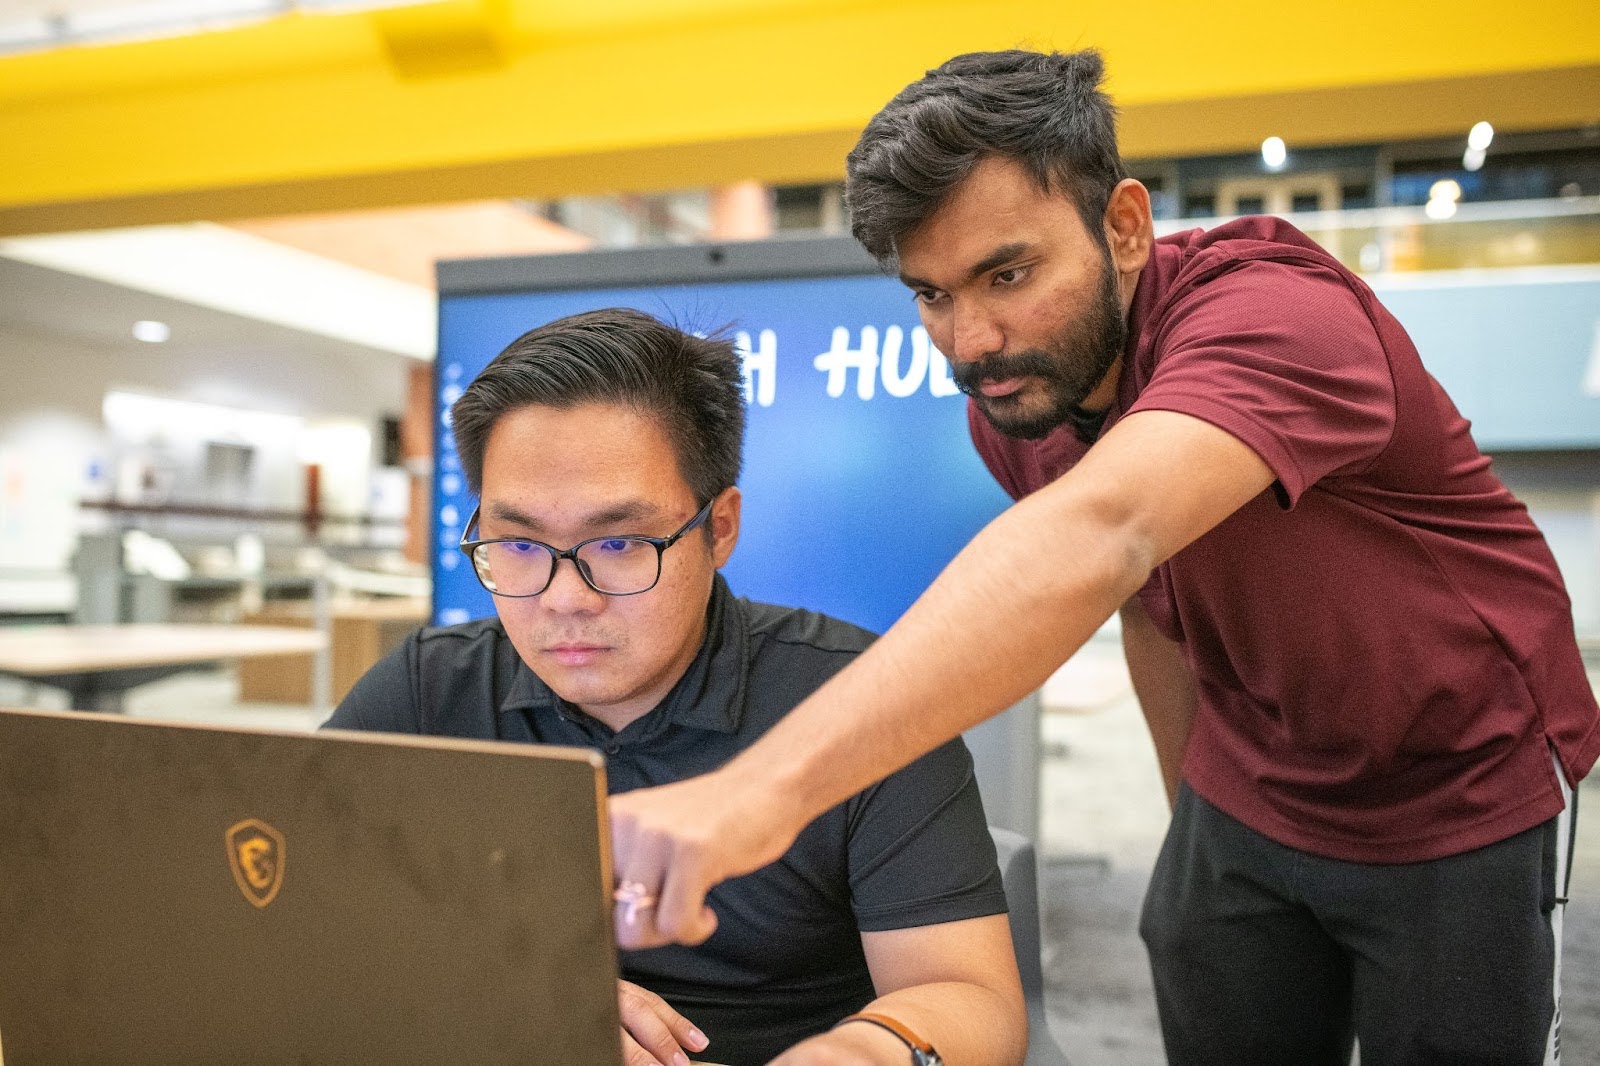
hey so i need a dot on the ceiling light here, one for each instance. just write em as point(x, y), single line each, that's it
point(152, 332)
point(1445, 190)
point(1274, 152)
point(1480, 137)
point(1439, 209)
point(1473, 159)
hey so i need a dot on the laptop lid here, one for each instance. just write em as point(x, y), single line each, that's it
point(178, 894)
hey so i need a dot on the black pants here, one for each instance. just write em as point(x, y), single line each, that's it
point(1263, 954)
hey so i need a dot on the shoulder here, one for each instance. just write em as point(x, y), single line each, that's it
point(1262, 267)
point(463, 667)
point(945, 771)
point(1257, 295)
point(464, 640)
point(789, 654)
point(798, 631)
point(435, 652)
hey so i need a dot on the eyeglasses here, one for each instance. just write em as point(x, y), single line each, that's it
point(613, 566)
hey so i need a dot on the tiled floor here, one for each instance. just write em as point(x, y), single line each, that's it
point(1103, 817)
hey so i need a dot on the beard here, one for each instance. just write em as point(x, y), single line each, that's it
point(1067, 370)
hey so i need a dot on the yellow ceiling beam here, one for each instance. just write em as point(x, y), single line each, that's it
point(460, 99)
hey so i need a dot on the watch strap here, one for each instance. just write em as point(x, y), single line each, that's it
point(922, 1053)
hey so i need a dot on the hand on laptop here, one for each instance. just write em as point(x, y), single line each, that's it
point(671, 844)
point(652, 1032)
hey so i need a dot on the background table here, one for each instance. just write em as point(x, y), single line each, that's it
point(361, 631)
point(96, 665)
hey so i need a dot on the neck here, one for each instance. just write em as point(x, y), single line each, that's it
point(617, 719)
point(1098, 402)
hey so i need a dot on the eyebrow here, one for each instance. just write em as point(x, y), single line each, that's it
point(999, 257)
point(626, 511)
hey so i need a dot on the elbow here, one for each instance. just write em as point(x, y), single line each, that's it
point(1008, 1016)
point(1106, 552)
point(1136, 553)
point(1131, 548)
point(1010, 1034)
point(995, 1029)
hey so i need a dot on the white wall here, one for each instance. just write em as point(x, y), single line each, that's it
point(52, 434)
point(1562, 492)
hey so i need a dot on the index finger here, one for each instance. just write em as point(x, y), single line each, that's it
point(682, 916)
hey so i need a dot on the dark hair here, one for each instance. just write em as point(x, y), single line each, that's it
point(1045, 111)
point(694, 385)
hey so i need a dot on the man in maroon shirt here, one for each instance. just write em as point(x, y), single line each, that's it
point(1350, 642)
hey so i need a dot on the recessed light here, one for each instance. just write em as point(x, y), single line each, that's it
point(1480, 136)
point(1439, 209)
point(152, 332)
point(1274, 152)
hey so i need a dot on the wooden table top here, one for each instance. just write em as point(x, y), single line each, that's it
point(75, 649)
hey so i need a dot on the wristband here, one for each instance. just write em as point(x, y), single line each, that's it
point(922, 1053)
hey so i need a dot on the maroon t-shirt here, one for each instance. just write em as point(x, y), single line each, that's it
point(1383, 646)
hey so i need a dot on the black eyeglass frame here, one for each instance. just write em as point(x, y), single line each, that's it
point(660, 544)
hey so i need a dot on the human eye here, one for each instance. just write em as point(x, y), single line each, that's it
point(926, 296)
point(1014, 275)
point(519, 547)
point(617, 545)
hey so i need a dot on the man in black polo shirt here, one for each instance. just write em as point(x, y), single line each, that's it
point(613, 442)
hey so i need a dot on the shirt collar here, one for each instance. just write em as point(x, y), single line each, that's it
point(710, 694)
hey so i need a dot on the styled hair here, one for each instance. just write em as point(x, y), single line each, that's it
point(693, 385)
point(1044, 110)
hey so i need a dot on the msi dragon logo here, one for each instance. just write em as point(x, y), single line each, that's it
point(255, 853)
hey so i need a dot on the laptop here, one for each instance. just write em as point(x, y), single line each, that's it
point(177, 894)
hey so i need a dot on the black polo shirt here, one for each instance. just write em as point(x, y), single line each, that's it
point(786, 959)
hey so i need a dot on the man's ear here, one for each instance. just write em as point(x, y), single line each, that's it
point(1130, 230)
point(724, 524)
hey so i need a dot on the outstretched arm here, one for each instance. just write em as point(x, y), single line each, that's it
point(1028, 590)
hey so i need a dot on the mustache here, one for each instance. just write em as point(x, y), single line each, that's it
point(596, 639)
point(996, 367)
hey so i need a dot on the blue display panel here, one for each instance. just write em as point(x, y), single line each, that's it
point(860, 482)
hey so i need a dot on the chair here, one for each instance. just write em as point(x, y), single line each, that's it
point(1020, 877)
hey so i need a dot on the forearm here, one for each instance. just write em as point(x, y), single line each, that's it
point(965, 1022)
point(1165, 686)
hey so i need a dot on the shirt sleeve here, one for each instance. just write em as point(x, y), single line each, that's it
point(1282, 355)
point(384, 700)
point(919, 849)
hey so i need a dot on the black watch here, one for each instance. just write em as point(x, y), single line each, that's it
point(922, 1053)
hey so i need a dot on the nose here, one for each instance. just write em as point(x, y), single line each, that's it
point(569, 593)
point(973, 334)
